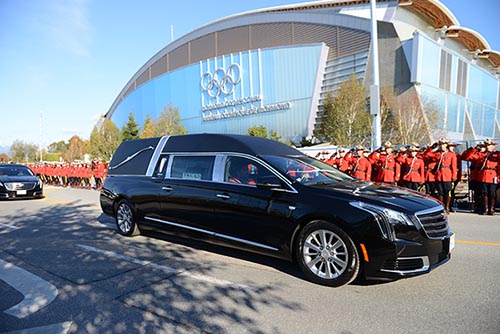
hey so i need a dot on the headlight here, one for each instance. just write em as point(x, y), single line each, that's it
point(40, 184)
point(385, 218)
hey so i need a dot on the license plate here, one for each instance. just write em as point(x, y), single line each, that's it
point(21, 192)
point(452, 242)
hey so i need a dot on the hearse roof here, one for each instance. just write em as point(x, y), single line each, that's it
point(227, 143)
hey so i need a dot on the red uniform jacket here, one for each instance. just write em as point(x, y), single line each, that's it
point(388, 169)
point(413, 169)
point(446, 164)
point(487, 165)
point(361, 168)
point(341, 164)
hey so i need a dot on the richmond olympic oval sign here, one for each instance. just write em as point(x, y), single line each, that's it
point(222, 81)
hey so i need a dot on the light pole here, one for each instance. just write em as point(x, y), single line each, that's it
point(41, 134)
point(375, 87)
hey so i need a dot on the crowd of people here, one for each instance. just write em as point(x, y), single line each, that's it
point(76, 175)
point(437, 168)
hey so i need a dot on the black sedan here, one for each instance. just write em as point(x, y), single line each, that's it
point(18, 181)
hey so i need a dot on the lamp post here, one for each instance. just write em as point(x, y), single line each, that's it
point(375, 87)
point(41, 134)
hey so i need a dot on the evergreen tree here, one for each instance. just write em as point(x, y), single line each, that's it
point(130, 130)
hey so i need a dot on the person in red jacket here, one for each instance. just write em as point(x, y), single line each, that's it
point(361, 167)
point(446, 170)
point(451, 148)
point(488, 176)
point(386, 164)
point(472, 155)
point(413, 166)
point(339, 160)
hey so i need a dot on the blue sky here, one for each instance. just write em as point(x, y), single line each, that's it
point(67, 60)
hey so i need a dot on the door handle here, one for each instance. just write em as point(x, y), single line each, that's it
point(223, 196)
point(167, 188)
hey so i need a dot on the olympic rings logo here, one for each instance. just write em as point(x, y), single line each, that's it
point(222, 81)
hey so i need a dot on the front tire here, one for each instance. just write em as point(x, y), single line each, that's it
point(326, 254)
point(126, 219)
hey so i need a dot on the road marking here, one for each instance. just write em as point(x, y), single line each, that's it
point(484, 243)
point(168, 270)
point(10, 226)
point(60, 328)
point(37, 292)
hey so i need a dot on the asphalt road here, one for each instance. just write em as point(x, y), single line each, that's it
point(63, 269)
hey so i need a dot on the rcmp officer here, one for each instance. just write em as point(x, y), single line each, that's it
point(339, 160)
point(472, 155)
point(388, 170)
point(451, 148)
point(413, 166)
point(445, 170)
point(488, 163)
point(361, 167)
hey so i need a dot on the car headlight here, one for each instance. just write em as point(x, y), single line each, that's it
point(385, 218)
point(40, 184)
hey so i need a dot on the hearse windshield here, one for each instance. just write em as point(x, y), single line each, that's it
point(306, 170)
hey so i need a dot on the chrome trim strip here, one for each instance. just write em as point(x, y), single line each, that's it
point(156, 155)
point(130, 157)
point(214, 234)
point(425, 267)
point(431, 210)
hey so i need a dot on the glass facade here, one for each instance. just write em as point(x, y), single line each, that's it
point(231, 93)
point(457, 86)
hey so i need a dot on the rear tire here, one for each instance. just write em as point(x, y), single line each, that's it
point(326, 254)
point(126, 219)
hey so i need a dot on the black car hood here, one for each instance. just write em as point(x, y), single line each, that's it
point(20, 179)
point(396, 198)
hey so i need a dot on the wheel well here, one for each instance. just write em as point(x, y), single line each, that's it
point(330, 220)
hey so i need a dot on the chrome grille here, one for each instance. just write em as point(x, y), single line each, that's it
point(434, 223)
point(13, 186)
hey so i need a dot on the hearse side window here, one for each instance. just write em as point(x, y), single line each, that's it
point(192, 167)
point(161, 167)
point(245, 171)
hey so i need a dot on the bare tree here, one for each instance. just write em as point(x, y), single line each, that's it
point(406, 118)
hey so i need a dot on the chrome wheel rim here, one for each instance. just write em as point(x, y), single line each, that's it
point(124, 218)
point(325, 254)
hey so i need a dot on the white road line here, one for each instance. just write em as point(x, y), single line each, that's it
point(10, 226)
point(37, 292)
point(60, 328)
point(168, 270)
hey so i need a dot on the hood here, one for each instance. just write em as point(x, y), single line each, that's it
point(393, 197)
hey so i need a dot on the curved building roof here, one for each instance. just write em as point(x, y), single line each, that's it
point(355, 29)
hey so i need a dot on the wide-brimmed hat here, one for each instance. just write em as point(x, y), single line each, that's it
point(413, 148)
point(442, 141)
point(360, 148)
point(341, 149)
point(387, 144)
point(488, 142)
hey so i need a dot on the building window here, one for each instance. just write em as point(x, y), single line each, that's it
point(462, 77)
point(445, 71)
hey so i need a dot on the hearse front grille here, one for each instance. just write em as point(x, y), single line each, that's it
point(435, 223)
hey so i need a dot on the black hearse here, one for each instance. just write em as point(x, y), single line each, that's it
point(264, 196)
